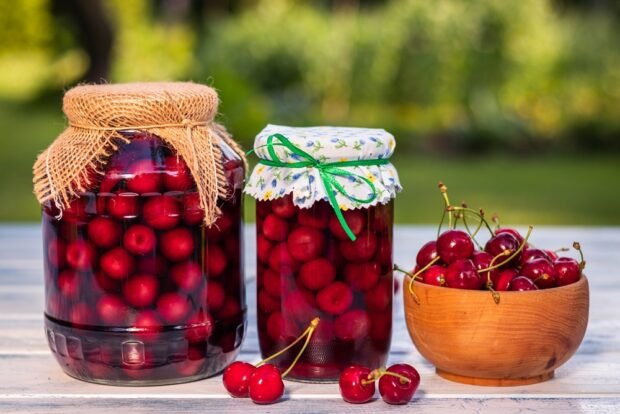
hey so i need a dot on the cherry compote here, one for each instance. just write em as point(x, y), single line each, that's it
point(308, 267)
point(138, 290)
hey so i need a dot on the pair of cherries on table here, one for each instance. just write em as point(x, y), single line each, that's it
point(263, 384)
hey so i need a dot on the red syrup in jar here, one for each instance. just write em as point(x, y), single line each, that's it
point(308, 267)
point(138, 291)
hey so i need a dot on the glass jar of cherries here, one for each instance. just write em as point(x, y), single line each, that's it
point(139, 291)
point(324, 215)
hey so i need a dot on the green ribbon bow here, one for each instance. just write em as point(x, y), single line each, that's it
point(328, 171)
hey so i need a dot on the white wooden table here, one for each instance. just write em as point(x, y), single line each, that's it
point(32, 382)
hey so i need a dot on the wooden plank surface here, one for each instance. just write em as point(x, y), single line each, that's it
point(31, 381)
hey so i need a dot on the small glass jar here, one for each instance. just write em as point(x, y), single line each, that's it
point(308, 266)
point(138, 290)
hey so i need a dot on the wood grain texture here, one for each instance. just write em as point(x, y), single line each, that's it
point(520, 340)
point(31, 381)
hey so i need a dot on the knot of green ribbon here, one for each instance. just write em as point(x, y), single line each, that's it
point(328, 171)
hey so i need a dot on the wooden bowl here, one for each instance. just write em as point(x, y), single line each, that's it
point(522, 340)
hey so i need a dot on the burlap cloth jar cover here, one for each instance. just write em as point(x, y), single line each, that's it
point(180, 113)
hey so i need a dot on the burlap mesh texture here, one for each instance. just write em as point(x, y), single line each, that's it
point(180, 113)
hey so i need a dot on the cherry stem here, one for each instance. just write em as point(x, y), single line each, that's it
point(309, 329)
point(495, 220)
point(444, 194)
point(561, 249)
point(443, 218)
point(479, 214)
point(512, 256)
point(577, 246)
point(417, 274)
point(308, 334)
point(376, 374)
point(472, 235)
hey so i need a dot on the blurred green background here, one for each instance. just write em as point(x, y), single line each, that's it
point(515, 105)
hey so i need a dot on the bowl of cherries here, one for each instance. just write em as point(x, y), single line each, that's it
point(498, 313)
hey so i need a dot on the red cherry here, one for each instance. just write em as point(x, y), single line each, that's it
point(82, 314)
point(56, 253)
point(110, 180)
point(541, 272)
point(380, 297)
point(281, 260)
point(510, 231)
point(275, 228)
point(362, 276)
point(462, 274)
point(501, 243)
point(139, 239)
point(236, 378)
point(104, 232)
point(381, 328)
point(352, 325)
point(143, 177)
point(112, 310)
point(305, 243)
point(353, 387)
point(266, 386)
point(214, 296)
point(200, 327)
point(317, 273)
point(222, 226)
point(177, 176)
point(453, 245)
point(177, 244)
point(394, 390)
point(335, 298)
point(267, 303)
point(435, 275)
point(105, 283)
point(567, 270)
point(81, 255)
point(501, 282)
point(263, 248)
point(532, 253)
point(427, 254)
point(69, 283)
point(230, 309)
point(299, 306)
point(161, 212)
point(482, 260)
point(76, 211)
point(123, 205)
point(173, 307)
point(141, 291)
point(362, 249)
point(317, 216)
point(187, 275)
point(217, 261)
point(272, 283)
point(552, 255)
point(275, 326)
point(147, 323)
point(192, 212)
point(117, 263)
point(284, 207)
point(522, 284)
point(354, 218)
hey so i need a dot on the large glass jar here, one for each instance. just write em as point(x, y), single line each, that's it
point(138, 290)
point(308, 265)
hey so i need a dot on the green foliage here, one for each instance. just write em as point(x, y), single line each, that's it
point(512, 71)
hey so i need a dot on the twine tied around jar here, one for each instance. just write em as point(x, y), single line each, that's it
point(328, 171)
point(180, 113)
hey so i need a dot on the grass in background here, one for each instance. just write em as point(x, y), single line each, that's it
point(552, 189)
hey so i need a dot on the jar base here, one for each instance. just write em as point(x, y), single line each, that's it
point(494, 382)
point(122, 359)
